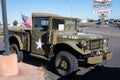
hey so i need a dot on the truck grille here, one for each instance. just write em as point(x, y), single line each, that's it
point(95, 44)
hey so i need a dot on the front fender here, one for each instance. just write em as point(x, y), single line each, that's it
point(16, 38)
point(75, 47)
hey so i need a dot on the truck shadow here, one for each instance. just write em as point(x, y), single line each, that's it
point(99, 73)
point(33, 60)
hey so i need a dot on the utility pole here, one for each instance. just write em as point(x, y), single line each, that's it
point(4, 16)
point(70, 7)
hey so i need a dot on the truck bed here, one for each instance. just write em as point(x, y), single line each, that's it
point(21, 36)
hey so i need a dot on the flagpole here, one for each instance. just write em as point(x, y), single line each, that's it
point(4, 15)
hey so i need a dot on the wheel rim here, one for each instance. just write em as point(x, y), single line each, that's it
point(63, 65)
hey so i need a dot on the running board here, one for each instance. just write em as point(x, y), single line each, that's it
point(39, 56)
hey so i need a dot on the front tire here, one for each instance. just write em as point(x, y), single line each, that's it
point(65, 63)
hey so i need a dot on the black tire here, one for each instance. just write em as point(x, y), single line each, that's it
point(14, 49)
point(65, 63)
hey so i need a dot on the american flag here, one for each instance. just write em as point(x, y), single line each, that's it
point(27, 21)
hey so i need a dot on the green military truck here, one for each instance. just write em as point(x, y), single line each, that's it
point(55, 38)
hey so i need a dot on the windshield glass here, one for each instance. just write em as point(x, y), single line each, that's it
point(70, 24)
point(64, 24)
point(58, 24)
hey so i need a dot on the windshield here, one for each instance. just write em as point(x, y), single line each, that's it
point(64, 24)
point(70, 24)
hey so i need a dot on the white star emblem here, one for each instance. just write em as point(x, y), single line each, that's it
point(39, 44)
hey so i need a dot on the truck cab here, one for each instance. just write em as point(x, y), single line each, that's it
point(48, 30)
point(56, 39)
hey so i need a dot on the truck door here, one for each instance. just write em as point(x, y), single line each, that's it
point(39, 35)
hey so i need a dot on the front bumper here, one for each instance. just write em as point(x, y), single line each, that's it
point(99, 59)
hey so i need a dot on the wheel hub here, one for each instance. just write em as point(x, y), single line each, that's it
point(63, 65)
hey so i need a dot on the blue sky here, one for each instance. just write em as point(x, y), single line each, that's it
point(82, 9)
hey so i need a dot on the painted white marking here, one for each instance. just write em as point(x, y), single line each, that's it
point(39, 44)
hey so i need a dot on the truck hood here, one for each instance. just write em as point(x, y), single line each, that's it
point(88, 35)
point(74, 35)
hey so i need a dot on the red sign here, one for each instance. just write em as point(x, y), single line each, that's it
point(102, 11)
point(102, 0)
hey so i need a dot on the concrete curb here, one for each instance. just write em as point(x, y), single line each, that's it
point(8, 65)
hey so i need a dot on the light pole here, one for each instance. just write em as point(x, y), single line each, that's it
point(70, 7)
point(4, 16)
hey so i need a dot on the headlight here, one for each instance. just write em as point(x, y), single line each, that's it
point(83, 43)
